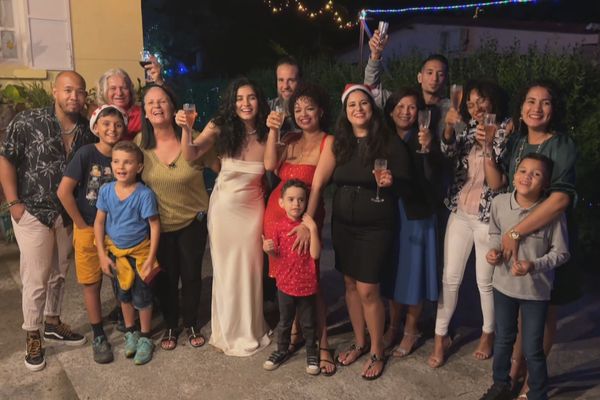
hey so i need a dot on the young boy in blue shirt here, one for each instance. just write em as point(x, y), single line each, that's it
point(128, 214)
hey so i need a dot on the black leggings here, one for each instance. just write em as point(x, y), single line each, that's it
point(180, 255)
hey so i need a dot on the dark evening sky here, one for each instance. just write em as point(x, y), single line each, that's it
point(226, 37)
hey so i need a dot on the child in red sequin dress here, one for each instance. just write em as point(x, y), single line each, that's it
point(296, 276)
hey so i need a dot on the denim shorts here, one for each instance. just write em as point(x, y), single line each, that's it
point(140, 294)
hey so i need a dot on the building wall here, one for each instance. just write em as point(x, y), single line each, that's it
point(105, 34)
point(452, 40)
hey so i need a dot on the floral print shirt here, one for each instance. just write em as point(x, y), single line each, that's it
point(458, 151)
point(34, 145)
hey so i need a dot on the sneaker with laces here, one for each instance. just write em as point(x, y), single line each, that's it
point(275, 360)
point(34, 353)
point(131, 343)
point(102, 350)
point(498, 391)
point(62, 333)
point(145, 347)
point(312, 365)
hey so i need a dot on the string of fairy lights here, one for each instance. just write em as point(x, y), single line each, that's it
point(338, 16)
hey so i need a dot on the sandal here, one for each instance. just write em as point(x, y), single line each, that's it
point(402, 352)
point(195, 339)
point(169, 339)
point(295, 346)
point(322, 360)
point(435, 362)
point(359, 351)
point(375, 359)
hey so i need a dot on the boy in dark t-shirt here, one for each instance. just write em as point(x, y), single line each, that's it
point(89, 169)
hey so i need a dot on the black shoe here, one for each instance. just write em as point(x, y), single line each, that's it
point(275, 360)
point(498, 391)
point(63, 334)
point(34, 356)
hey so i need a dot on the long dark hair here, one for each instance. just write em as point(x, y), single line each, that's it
point(395, 98)
point(556, 123)
point(345, 141)
point(233, 134)
point(489, 90)
point(318, 95)
point(148, 139)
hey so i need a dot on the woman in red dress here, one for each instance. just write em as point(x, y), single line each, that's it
point(298, 159)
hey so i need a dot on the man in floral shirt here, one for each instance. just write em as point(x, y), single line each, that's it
point(38, 145)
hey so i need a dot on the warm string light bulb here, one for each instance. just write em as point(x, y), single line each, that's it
point(278, 7)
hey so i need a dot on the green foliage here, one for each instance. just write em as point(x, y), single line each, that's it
point(26, 95)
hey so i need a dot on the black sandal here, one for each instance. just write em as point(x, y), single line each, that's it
point(332, 362)
point(375, 359)
point(193, 335)
point(169, 337)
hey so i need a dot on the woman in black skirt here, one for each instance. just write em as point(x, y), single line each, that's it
point(362, 229)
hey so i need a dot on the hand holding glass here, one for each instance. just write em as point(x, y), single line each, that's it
point(146, 59)
point(280, 110)
point(489, 126)
point(456, 94)
point(379, 167)
point(424, 120)
point(190, 115)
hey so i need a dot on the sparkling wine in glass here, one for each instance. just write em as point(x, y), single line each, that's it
point(456, 94)
point(424, 117)
point(189, 110)
point(280, 109)
point(379, 167)
point(383, 29)
point(489, 126)
point(145, 59)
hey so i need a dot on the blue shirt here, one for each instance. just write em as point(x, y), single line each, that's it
point(127, 220)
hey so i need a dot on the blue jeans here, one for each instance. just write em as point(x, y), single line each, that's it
point(140, 294)
point(533, 318)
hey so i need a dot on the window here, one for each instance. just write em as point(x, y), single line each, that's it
point(36, 33)
point(8, 33)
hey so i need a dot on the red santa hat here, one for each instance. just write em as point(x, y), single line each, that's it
point(351, 87)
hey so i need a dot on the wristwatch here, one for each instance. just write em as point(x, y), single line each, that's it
point(514, 235)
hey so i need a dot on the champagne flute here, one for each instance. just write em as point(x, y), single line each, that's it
point(456, 94)
point(190, 115)
point(383, 29)
point(379, 167)
point(489, 126)
point(145, 59)
point(424, 120)
point(279, 108)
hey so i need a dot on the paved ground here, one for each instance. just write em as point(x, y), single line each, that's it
point(205, 373)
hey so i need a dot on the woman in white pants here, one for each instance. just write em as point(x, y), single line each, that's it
point(469, 199)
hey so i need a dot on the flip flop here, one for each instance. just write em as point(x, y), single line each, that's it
point(358, 350)
point(169, 338)
point(375, 359)
point(193, 335)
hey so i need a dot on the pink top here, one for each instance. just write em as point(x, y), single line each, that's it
point(470, 195)
point(296, 275)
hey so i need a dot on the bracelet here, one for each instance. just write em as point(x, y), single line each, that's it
point(12, 203)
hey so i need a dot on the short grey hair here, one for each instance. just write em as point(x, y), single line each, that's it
point(102, 90)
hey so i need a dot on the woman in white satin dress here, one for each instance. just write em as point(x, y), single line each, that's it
point(235, 217)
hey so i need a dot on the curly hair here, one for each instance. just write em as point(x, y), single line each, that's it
point(102, 88)
point(488, 90)
point(315, 93)
point(556, 123)
point(148, 139)
point(233, 134)
point(345, 141)
point(395, 98)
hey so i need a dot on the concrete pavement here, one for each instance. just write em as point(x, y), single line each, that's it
point(187, 373)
